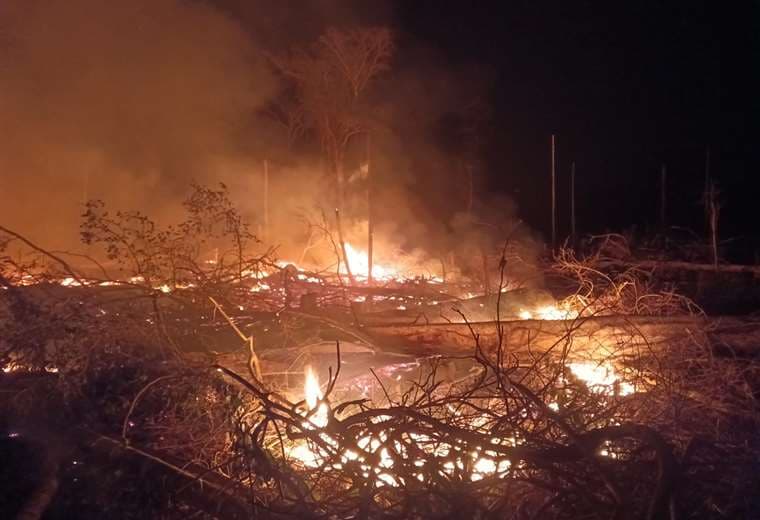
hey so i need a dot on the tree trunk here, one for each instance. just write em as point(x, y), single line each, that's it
point(342, 242)
point(595, 337)
point(370, 220)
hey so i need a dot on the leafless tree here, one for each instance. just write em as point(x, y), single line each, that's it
point(330, 77)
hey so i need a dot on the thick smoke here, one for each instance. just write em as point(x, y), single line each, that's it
point(124, 101)
point(130, 102)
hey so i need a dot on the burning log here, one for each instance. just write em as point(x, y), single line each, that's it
point(529, 428)
point(589, 336)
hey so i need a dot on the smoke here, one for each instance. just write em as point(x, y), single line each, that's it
point(125, 101)
point(130, 102)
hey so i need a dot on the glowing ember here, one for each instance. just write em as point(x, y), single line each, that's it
point(600, 378)
point(16, 367)
point(485, 463)
point(12, 367)
point(260, 287)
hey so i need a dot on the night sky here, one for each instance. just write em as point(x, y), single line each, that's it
point(626, 87)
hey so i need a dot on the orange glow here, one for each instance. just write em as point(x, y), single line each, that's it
point(359, 265)
point(600, 378)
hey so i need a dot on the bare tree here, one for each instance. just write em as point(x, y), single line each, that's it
point(330, 78)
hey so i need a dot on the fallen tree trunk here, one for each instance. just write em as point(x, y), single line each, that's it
point(687, 266)
point(618, 335)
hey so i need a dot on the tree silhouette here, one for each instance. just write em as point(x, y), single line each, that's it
point(330, 77)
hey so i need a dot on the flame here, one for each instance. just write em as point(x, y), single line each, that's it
point(311, 390)
point(485, 463)
point(12, 366)
point(359, 264)
point(312, 396)
point(549, 312)
point(600, 378)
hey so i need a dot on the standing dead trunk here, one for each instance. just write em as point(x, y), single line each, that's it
point(340, 178)
point(486, 277)
point(266, 200)
point(342, 242)
point(370, 220)
point(714, 210)
point(572, 202)
point(554, 193)
point(470, 189)
point(663, 196)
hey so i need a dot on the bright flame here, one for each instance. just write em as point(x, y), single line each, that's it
point(311, 390)
point(549, 312)
point(70, 282)
point(358, 262)
point(312, 395)
point(16, 367)
point(600, 378)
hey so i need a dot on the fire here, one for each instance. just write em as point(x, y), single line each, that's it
point(12, 367)
point(69, 282)
point(312, 392)
point(312, 396)
point(600, 378)
point(483, 463)
point(358, 262)
point(549, 312)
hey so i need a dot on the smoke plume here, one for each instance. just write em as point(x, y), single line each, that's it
point(130, 102)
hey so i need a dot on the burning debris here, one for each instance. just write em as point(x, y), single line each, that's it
point(441, 397)
point(347, 317)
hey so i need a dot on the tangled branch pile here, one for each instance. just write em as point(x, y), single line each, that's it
point(665, 432)
point(616, 288)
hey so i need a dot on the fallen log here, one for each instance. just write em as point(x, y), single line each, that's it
point(671, 265)
point(592, 336)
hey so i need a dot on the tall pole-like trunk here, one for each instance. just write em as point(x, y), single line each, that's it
point(370, 219)
point(335, 154)
point(707, 186)
point(714, 211)
point(266, 200)
point(486, 277)
point(340, 176)
point(342, 243)
point(572, 202)
point(663, 196)
point(470, 188)
point(554, 193)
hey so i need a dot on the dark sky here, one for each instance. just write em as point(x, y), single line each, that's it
point(626, 86)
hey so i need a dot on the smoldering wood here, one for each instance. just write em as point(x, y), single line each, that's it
point(589, 337)
point(593, 338)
